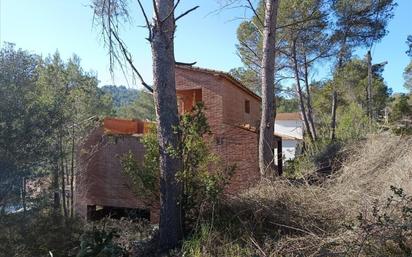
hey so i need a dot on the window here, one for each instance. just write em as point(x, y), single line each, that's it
point(180, 105)
point(247, 106)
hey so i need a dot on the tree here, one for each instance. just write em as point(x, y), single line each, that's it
point(401, 108)
point(407, 74)
point(350, 83)
point(248, 77)
point(121, 95)
point(358, 24)
point(409, 43)
point(161, 37)
point(141, 108)
point(23, 123)
point(304, 41)
point(266, 155)
point(71, 98)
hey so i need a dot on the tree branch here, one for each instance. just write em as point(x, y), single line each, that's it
point(172, 11)
point(302, 21)
point(128, 58)
point(186, 13)
point(146, 19)
point(243, 43)
point(185, 63)
point(155, 10)
point(255, 12)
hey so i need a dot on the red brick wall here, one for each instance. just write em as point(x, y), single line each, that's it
point(102, 182)
point(234, 106)
point(211, 94)
point(225, 110)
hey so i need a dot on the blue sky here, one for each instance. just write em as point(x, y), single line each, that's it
point(44, 26)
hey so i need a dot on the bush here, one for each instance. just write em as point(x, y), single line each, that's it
point(125, 233)
point(385, 229)
point(203, 176)
point(37, 233)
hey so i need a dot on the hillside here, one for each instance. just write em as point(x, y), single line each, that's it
point(361, 210)
point(121, 95)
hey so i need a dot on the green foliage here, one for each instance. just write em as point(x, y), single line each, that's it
point(121, 95)
point(203, 177)
point(47, 106)
point(350, 82)
point(248, 77)
point(141, 108)
point(37, 233)
point(353, 123)
point(401, 108)
point(99, 243)
point(126, 233)
point(23, 122)
point(288, 101)
point(206, 242)
point(359, 24)
point(409, 43)
point(407, 75)
point(144, 178)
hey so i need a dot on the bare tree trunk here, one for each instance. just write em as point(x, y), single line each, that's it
point(333, 122)
point(23, 195)
point(266, 147)
point(72, 176)
point(62, 175)
point(309, 102)
point(55, 180)
point(299, 89)
point(162, 44)
point(369, 86)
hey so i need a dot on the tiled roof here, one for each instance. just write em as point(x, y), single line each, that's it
point(222, 74)
point(288, 116)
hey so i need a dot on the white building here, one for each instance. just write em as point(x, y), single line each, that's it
point(289, 126)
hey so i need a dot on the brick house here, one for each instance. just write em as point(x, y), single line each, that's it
point(233, 113)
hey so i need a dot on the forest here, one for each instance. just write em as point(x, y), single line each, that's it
point(347, 194)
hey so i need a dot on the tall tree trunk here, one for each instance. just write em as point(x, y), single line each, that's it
point(369, 86)
point(72, 176)
point(334, 92)
point(55, 179)
point(23, 194)
point(333, 121)
point(299, 89)
point(266, 147)
point(162, 44)
point(309, 101)
point(62, 175)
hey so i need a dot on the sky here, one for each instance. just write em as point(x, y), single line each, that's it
point(207, 36)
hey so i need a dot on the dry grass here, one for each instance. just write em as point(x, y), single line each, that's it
point(381, 162)
point(278, 218)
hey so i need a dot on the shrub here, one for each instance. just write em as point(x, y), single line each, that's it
point(37, 233)
point(385, 229)
point(203, 177)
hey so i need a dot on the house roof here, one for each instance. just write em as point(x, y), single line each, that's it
point(288, 116)
point(222, 74)
point(286, 137)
